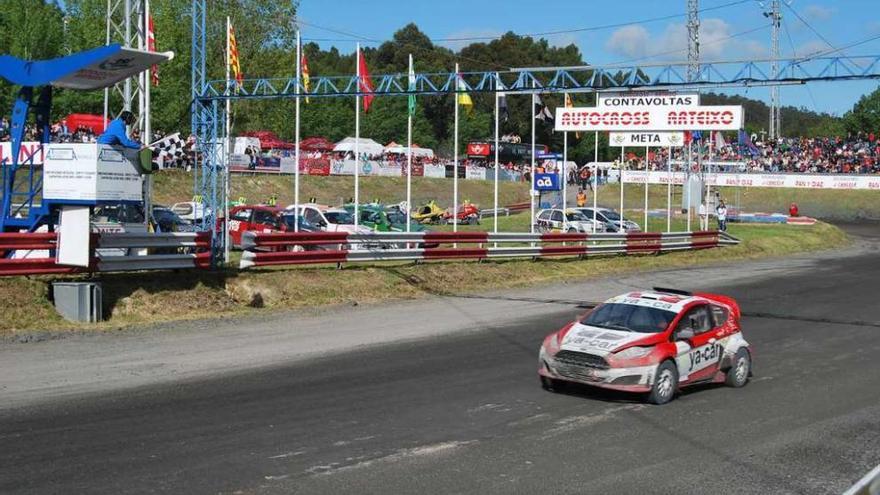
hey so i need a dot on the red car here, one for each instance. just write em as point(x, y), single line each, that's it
point(650, 342)
point(468, 213)
point(262, 218)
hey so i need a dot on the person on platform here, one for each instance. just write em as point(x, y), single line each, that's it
point(115, 133)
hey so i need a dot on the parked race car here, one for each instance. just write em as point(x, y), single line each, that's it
point(429, 213)
point(384, 219)
point(468, 213)
point(261, 218)
point(191, 211)
point(570, 220)
point(652, 342)
point(610, 219)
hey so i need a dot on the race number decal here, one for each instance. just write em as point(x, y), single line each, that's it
point(234, 224)
point(703, 357)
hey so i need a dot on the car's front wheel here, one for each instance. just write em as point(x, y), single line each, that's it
point(665, 383)
point(551, 385)
point(738, 374)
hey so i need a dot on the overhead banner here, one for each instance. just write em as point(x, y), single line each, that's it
point(629, 100)
point(640, 139)
point(794, 181)
point(649, 118)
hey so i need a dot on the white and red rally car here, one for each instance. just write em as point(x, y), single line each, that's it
point(650, 342)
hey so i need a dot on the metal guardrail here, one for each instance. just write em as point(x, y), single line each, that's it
point(194, 252)
point(272, 249)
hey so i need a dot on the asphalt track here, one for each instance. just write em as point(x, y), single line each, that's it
point(465, 414)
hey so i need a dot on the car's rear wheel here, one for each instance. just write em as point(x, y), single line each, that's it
point(738, 374)
point(665, 384)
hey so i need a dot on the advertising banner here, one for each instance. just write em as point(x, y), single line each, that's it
point(436, 171)
point(547, 182)
point(479, 149)
point(628, 100)
point(681, 118)
point(475, 173)
point(317, 166)
point(28, 150)
point(796, 181)
point(641, 139)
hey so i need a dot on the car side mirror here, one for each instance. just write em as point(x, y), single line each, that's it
point(684, 334)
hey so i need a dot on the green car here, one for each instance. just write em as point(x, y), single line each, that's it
point(384, 219)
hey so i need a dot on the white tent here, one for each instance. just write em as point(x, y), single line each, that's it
point(367, 146)
point(417, 151)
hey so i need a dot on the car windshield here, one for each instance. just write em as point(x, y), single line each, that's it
point(576, 217)
point(395, 216)
point(611, 215)
point(629, 318)
point(339, 217)
point(290, 221)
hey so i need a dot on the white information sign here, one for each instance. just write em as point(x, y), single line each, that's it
point(91, 173)
point(640, 139)
point(795, 181)
point(681, 118)
point(628, 100)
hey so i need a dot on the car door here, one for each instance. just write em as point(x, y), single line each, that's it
point(698, 349)
point(544, 220)
point(557, 221)
point(315, 218)
point(239, 221)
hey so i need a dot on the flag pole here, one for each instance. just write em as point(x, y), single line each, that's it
point(409, 119)
point(669, 190)
point(226, 246)
point(497, 125)
point(593, 177)
point(148, 127)
point(532, 173)
point(687, 181)
point(564, 163)
point(647, 171)
point(620, 182)
point(455, 159)
point(297, 133)
point(357, 133)
point(708, 184)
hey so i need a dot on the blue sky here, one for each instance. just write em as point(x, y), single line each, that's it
point(840, 22)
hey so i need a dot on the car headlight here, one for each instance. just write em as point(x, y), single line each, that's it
point(633, 352)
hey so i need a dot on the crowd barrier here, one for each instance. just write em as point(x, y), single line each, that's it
point(33, 253)
point(273, 249)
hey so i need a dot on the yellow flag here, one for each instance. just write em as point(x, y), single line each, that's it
point(464, 99)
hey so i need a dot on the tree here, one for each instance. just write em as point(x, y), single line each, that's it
point(865, 115)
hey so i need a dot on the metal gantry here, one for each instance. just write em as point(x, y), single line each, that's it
point(586, 79)
point(208, 115)
point(776, 21)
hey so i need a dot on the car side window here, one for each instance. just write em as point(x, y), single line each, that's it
point(263, 216)
point(312, 216)
point(696, 319)
point(719, 314)
point(242, 215)
point(545, 215)
point(557, 216)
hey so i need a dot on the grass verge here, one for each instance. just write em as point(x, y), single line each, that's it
point(143, 298)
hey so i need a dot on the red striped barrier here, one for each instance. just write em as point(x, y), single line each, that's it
point(381, 246)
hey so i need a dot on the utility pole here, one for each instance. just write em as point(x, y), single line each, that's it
point(776, 19)
point(693, 27)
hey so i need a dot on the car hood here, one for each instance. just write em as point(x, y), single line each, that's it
point(351, 229)
point(601, 341)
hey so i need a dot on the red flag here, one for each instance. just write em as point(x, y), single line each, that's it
point(151, 47)
point(366, 83)
point(688, 137)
